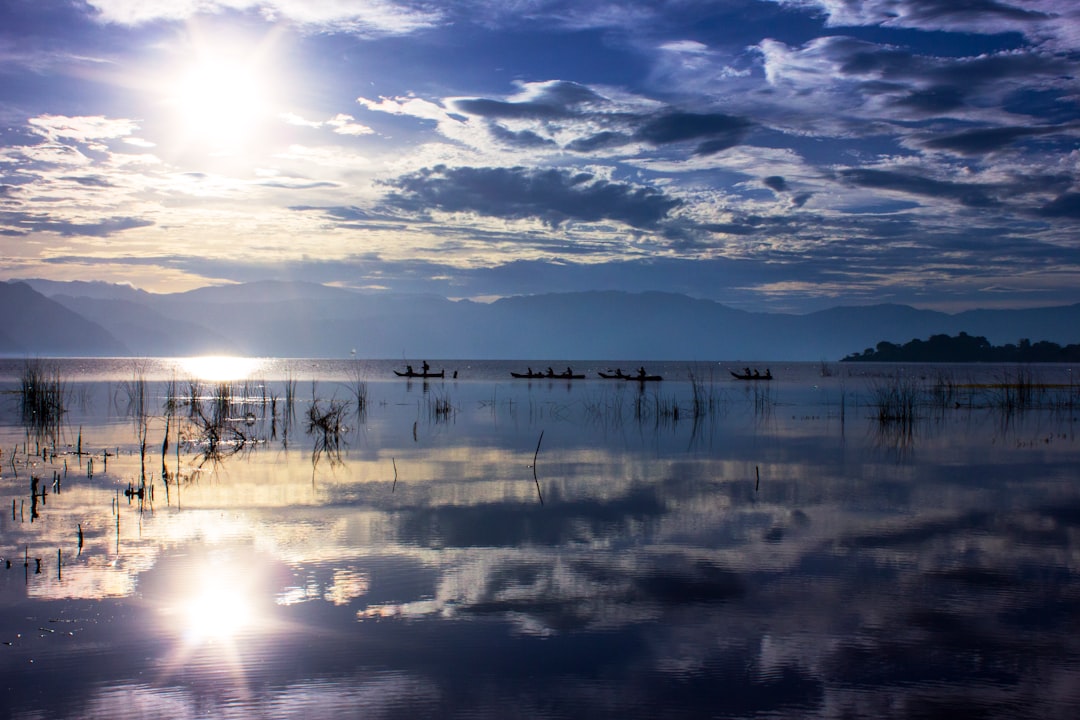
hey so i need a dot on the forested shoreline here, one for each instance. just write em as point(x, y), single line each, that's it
point(967, 348)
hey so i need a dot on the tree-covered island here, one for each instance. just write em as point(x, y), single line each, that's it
point(967, 348)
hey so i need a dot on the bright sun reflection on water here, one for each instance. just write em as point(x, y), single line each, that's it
point(216, 368)
point(217, 613)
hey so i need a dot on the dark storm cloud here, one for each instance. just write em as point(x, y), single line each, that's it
point(965, 193)
point(553, 196)
point(982, 141)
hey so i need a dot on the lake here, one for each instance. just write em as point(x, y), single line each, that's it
point(237, 538)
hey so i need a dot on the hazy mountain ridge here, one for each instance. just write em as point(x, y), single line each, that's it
point(35, 325)
point(286, 319)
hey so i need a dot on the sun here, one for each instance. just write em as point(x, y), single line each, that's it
point(220, 99)
point(220, 92)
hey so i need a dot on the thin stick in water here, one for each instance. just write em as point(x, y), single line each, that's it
point(535, 479)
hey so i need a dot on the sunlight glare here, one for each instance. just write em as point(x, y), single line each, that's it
point(218, 368)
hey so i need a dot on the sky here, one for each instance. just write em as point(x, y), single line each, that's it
point(772, 155)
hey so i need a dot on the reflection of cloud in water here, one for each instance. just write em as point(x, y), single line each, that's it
point(849, 581)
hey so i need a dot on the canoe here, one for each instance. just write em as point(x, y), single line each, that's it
point(636, 378)
point(407, 374)
point(545, 376)
point(528, 376)
point(739, 376)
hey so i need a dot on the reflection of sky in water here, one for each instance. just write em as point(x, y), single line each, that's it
point(794, 559)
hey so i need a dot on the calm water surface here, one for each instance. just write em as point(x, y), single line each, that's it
point(490, 547)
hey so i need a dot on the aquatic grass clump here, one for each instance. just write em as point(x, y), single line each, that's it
point(358, 387)
point(1017, 391)
point(896, 400)
point(326, 423)
point(704, 401)
point(945, 391)
point(439, 407)
point(136, 393)
point(42, 393)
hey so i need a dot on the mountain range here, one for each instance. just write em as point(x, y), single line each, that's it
point(294, 319)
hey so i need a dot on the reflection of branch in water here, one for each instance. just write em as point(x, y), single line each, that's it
point(896, 436)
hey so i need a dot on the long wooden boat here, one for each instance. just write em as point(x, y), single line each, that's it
point(414, 374)
point(545, 376)
point(624, 376)
point(742, 376)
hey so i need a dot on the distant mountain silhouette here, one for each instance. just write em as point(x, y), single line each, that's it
point(289, 319)
point(34, 325)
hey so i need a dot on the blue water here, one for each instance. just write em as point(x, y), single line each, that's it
point(491, 547)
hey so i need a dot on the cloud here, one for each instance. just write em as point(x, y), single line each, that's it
point(968, 194)
point(581, 119)
point(982, 16)
point(775, 182)
point(81, 128)
point(544, 101)
point(553, 196)
point(982, 141)
point(1066, 206)
point(368, 18)
point(26, 223)
point(716, 130)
